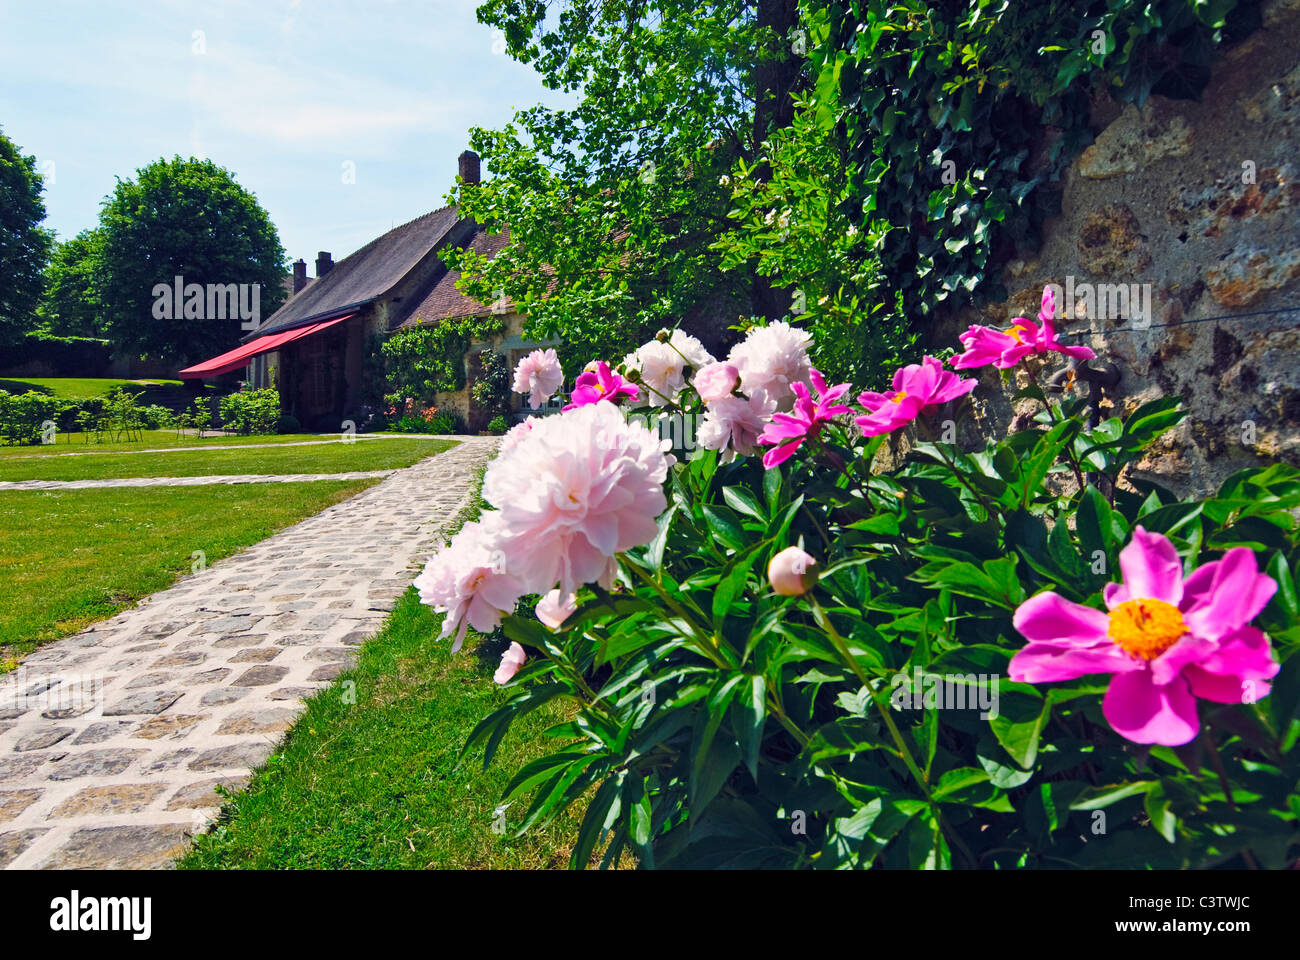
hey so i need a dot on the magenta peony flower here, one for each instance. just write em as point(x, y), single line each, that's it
point(553, 610)
point(918, 388)
point(511, 660)
point(600, 384)
point(771, 358)
point(576, 490)
point(538, 375)
point(791, 430)
point(733, 425)
point(716, 381)
point(1167, 639)
point(467, 581)
point(792, 572)
point(1005, 348)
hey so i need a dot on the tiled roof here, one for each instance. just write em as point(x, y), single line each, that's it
point(365, 275)
point(444, 301)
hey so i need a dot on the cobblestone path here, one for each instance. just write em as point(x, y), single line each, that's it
point(112, 740)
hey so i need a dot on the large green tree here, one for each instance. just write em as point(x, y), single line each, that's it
point(24, 243)
point(71, 306)
point(613, 204)
point(183, 218)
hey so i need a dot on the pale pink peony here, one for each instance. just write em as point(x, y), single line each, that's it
point(716, 381)
point(770, 359)
point(538, 375)
point(553, 609)
point(733, 424)
point(467, 580)
point(511, 660)
point(691, 348)
point(662, 370)
point(579, 488)
point(517, 433)
point(1167, 639)
point(792, 572)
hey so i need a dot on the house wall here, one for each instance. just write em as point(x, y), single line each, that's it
point(510, 343)
point(1200, 201)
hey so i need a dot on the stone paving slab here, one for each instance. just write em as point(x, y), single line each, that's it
point(190, 481)
point(113, 740)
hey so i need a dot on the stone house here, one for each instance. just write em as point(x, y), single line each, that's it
point(313, 349)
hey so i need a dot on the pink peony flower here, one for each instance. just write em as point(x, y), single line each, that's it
point(1005, 348)
point(553, 610)
point(792, 572)
point(663, 372)
point(770, 359)
point(538, 375)
point(598, 384)
point(467, 580)
point(517, 433)
point(1167, 640)
point(918, 388)
point(733, 425)
point(790, 431)
point(716, 381)
point(576, 490)
point(511, 660)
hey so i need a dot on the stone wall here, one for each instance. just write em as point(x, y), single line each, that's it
point(1200, 201)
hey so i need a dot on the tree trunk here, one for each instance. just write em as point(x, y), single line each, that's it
point(774, 80)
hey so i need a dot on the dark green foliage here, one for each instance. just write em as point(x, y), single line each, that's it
point(187, 218)
point(24, 244)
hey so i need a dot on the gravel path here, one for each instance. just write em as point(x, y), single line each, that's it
point(112, 740)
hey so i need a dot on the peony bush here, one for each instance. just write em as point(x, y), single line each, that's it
point(781, 655)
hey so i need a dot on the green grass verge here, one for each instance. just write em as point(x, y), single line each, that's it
point(337, 457)
point(70, 443)
point(68, 387)
point(367, 778)
point(71, 557)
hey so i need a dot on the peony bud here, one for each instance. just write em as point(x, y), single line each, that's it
point(553, 612)
point(792, 572)
point(511, 661)
point(716, 381)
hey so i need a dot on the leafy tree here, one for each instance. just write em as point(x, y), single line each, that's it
point(187, 218)
point(24, 244)
point(71, 306)
point(612, 205)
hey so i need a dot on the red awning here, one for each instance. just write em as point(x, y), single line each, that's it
point(241, 356)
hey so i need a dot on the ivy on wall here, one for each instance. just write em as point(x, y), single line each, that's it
point(923, 148)
point(422, 361)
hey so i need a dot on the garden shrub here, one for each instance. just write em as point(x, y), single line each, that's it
point(251, 411)
point(288, 424)
point(23, 414)
point(498, 425)
point(1017, 655)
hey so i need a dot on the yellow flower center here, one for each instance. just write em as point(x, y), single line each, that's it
point(1014, 332)
point(900, 396)
point(1146, 628)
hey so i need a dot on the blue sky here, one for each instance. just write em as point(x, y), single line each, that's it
point(283, 93)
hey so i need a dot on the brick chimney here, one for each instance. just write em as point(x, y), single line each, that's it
point(469, 168)
point(324, 264)
point(299, 274)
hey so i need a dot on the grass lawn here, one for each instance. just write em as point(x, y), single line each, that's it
point(372, 784)
point(152, 440)
point(68, 387)
point(71, 557)
point(337, 457)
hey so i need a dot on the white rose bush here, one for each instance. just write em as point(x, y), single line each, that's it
point(780, 655)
